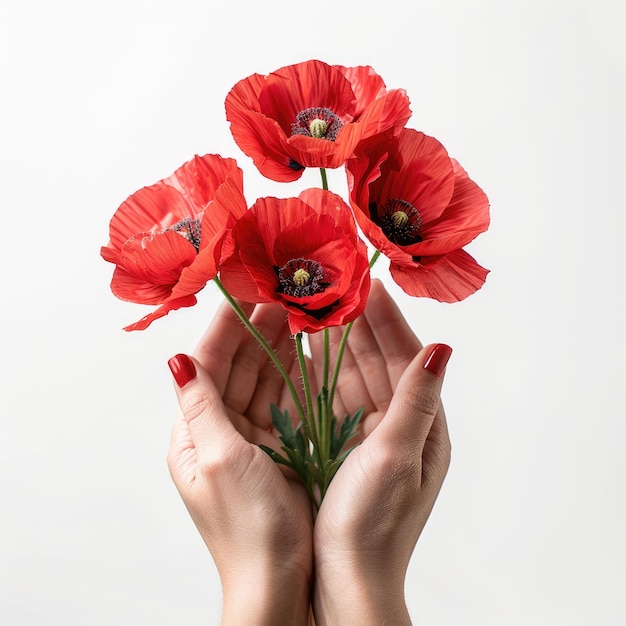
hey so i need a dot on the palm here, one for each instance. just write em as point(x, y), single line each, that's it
point(381, 345)
point(249, 382)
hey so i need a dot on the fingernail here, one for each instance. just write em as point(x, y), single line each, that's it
point(182, 368)
point(438, 359)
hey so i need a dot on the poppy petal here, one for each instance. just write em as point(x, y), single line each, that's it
point(465, 217)
point(150, 209)
point(171, 305)
point(127, 287)
point(390, 110)
point(293, 88)
point(366, 85)
point(450, 278)
point(199, 179)
point(157, 258)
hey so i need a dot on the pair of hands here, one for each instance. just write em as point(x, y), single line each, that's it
point(256, 519)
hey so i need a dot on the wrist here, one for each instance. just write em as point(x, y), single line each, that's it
point(344, 596)
point(279, 595)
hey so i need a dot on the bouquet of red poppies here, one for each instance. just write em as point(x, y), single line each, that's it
point(407, 197)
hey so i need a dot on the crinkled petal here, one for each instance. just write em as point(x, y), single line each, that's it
point(247, 279)
point(294, 88)
point(157, 258)
point(199, 178)
point(262, 139)
point(311, 152)
point(329, 203)
point(450, 278)
point(150, 209)
point(366, 85)
point(389, 111)
point(426, 178)
point(170, 305)
point(348, 307)
point(465, 217)
point(127, 287)
point(110, 254)
point(262, 111)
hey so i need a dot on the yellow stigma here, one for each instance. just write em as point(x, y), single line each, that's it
point(400, 218)
point(317, 128)
point(301, 277)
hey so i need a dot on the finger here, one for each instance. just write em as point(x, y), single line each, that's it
point(293, 401)
point(220, 343)
point(371, 363)
point(316, 342)
point(397, 342)
point(416, 402)
point(352, 389)
point(247, 362)
point(211, 432)
point(436, 454)
point(270, 384)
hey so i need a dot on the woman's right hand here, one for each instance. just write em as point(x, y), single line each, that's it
point(255, 519)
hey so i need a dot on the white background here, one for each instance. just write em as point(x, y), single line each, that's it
point(101, 98)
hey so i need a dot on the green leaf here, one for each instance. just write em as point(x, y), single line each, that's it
point(346, 432)
point(313, 471)
point(345, 453)
point(330, 469)
point(275, 456)
point(282, 423)
point(301, 442)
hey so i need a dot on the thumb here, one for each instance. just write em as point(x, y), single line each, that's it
point(202, 408)
point(416, 400)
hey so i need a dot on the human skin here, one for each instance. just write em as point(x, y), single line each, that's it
point(380, 499)
point(350, 561)
point(256, 522)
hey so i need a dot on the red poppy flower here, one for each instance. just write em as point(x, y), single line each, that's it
point(166, 239)
point(419, 207)
point(310, 115)
point(303, 253)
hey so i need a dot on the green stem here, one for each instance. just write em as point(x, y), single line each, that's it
point(326, 357)
point(340, 351)
point(264, 344)
point(305, 376)
point(324, 179)
point(309, 420)
point(326, 413)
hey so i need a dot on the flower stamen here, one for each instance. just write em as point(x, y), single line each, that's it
point(301, 277)
point(317, 122)
point(399, 220)
point(190, 229)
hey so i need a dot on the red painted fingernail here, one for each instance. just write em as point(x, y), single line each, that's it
point(182, 368)
point(438, 359)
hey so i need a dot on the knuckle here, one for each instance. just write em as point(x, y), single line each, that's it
point(248, 361)
point(398, 466)
point(197, 403)
point(231, 464)
point(424, 401)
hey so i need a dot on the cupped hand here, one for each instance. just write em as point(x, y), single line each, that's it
point(254, 518)
point(381, 497)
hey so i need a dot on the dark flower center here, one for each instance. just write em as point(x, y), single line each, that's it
point(317, 122)
point(399, 219)
point(189, 229)
point(301, 277)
